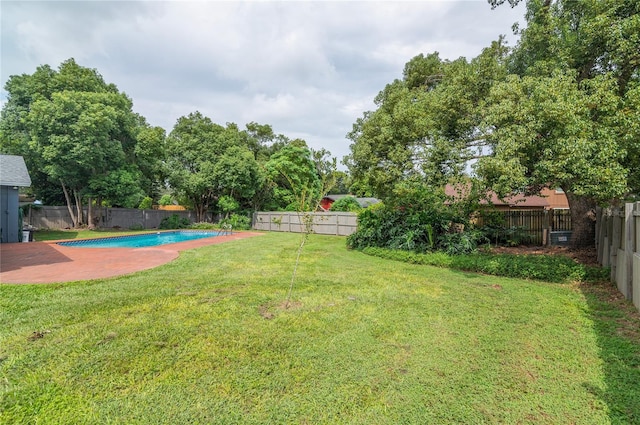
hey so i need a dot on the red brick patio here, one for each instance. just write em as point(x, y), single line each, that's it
point(47, 262)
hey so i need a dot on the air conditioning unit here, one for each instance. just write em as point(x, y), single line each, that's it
point(560, 238)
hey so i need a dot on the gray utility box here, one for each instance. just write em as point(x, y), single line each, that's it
point(560, 238)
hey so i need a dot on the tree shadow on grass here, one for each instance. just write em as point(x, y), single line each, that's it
point(617, 325)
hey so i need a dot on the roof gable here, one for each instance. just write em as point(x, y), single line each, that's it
point(13, 171)
point(458, 192)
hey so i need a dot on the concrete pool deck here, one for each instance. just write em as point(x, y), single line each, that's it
point(48, 262)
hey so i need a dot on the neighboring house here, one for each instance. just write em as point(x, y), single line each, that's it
point(13, 175)
point(327, 201)
point(556, 198)
point(547, 200)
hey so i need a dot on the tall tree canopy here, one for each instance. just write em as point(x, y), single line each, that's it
point(298, 183)
point(566, 118)
point(75, 131)
point(427, 124)
point(209, 165)
point(558, 109)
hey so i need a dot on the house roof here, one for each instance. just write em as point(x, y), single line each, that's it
point(518, 200)
point(13, 171)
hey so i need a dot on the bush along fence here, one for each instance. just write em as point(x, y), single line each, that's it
point(535, 227)
point(49, 217)
point(618, 245)
point(329, 223)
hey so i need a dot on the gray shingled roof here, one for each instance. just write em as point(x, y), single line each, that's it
point(13, 171)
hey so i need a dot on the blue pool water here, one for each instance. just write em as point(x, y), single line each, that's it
point(140, 241)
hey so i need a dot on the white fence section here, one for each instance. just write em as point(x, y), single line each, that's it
point(618, 245)
point(329, 223)
point(47, 217)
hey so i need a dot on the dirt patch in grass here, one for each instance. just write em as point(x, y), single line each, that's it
point(587, 256)
point(268, 311)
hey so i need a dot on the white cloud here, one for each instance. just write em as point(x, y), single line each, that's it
point(309, 69)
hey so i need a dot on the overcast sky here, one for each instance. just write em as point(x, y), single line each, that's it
point(309, 69)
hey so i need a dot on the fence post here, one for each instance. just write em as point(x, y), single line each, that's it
point(615, 243)
point(600, 232)
point(629, 240)
point(546, 227)
point(635, 282)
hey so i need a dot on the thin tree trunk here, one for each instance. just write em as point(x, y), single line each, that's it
point(90, 222)
point(79, 211)
point(67, 198)
point(582, 220)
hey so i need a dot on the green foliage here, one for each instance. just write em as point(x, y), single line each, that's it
point(77, 134)
point(426, 126)
point(237, 222)
point(415, 218)
point(462, 242)
point(208, 161)
point(147, 203)
point(174, 221)
point(203, 226)
point(550, 268)
point(294, 171)
point(546, 134)
point(137, 226)
point(165, 200)
point(346, 204)
point(227, 204)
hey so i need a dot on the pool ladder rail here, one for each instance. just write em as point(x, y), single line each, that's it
point(226, 229)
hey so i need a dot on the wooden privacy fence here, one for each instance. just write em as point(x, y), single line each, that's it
point(324, 223)
point(48, 217)
point(618, 245)
point(532, 227)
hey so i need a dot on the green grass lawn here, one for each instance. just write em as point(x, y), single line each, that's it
point(205, 339)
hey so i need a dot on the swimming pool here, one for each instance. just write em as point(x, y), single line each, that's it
point(140, 241)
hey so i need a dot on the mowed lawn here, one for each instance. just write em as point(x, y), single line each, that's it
point(206, 340)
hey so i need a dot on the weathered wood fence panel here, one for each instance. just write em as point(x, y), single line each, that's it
point(49, 217)
point(618, 245)
point(329, 223)
point(534, 227)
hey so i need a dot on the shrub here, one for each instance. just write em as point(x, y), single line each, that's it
point(414, 220)
point(202, 226)
point(461, 243)
point(165, 200)
point(549, 268)
point(136, 226)
point(228, 204)
point(237, 222)
point(146, 203)
point(346, 204)
point(174, 222)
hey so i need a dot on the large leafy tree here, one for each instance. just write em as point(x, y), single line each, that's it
point(298, 184)
point(208, 162)
point(545, 134)
point(426, 125)
point(559, 109)
point(73, 135)
point(149, 156)
point(193, 147)
point(75, 131)
point(568, 116)
point(239, 176)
